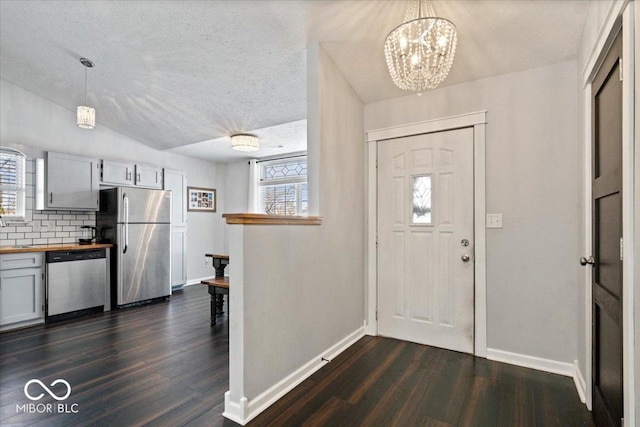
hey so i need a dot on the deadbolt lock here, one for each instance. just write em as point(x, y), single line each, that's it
point(464, 242)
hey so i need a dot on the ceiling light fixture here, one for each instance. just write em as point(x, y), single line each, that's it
point(420, 51)
point(245, 142)
point(86, 115)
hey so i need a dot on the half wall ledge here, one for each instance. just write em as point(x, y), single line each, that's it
point(263, 219)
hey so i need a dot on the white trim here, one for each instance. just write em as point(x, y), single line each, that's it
point(233, 411)
point(372, 253)
point(603, 42)
point(526, 361)
point(628, 118)
point(428, 126)
point(588, 242)
point(480, 231)
point(478, 121)
point(245, 410)
point(578, 379)
point(636, 244)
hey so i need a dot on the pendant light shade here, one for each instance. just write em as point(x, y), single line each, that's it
point(86, 115)
point(245, 142)
point(420, 51)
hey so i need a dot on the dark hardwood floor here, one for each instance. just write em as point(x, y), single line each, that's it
point(385, 382)
point(161, 364)
point(165, 365)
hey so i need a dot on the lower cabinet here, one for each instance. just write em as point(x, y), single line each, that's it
point(178, 257)
point(21, 290)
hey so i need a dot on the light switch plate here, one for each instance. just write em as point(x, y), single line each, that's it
point(494, 220)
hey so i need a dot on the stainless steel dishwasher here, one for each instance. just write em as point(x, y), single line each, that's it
point(76, 282)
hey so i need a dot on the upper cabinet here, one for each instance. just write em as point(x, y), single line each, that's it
point(148, 176)
point(72, 182)
point(117, 173)
point(125, 173)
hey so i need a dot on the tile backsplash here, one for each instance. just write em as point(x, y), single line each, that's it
point(44, 227)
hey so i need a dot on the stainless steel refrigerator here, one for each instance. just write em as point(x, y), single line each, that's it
point(138, 222)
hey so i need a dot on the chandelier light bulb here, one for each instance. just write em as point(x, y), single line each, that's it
point(403, 43)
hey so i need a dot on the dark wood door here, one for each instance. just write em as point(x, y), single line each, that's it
point(607, 232)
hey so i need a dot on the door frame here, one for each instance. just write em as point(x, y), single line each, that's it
point(620, 15)
point(477, 121)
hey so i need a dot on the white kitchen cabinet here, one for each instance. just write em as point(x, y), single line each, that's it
point(176, 181)
point(21, 290)
point(148, 176)
point(117, 173)
point(178, 257)
point(72, 182)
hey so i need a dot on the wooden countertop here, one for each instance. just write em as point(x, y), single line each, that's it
point(52, 247)
point(262, 219)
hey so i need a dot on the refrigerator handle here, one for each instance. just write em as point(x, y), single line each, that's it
point(125, 226)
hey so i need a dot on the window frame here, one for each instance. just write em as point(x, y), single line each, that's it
point(298, 181)
point(20, 186)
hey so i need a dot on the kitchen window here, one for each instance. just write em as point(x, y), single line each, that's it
point(283, 186)
point(12, 184)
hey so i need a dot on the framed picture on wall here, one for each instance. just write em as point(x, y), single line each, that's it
point(201, 199)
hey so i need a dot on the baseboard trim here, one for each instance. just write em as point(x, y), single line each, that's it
point(546, 365)
point(581, 384)
point(244, 411)
point(196, 281)
point(236, 412)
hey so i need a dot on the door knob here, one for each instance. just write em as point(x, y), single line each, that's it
point(584, 261)
point(465, 258)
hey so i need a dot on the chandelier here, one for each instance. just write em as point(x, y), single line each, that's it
point(86, 115)
point(420, 51)
point(245, 142)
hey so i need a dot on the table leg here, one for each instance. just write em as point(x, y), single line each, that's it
point(219, 303)
point(213, 309)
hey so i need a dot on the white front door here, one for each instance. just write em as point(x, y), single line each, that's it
point(425, 239)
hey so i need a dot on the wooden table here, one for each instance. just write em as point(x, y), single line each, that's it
point(218, 286)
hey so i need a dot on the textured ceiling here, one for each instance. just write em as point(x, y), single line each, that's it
point(276, 140)
point(187, 74)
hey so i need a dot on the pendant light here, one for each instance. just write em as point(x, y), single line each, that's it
point(420, 51)
point(86, 115)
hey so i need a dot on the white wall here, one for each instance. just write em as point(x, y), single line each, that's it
point(236, 184)
point(303, 286)
point(532, 178)
point(34, 125)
